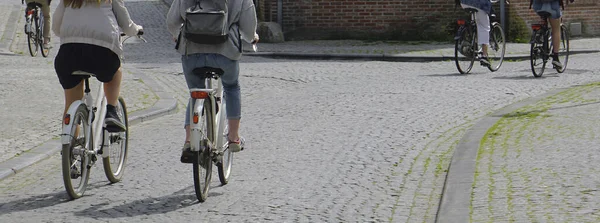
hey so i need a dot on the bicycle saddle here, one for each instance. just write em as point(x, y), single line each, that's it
point(208, 72)
point(83, 73)
point(32, 5)
point(544, 14)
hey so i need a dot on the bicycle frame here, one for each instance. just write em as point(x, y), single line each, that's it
point(215, 97)
point(98, 110)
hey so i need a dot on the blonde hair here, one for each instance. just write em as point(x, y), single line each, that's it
point(78, 3)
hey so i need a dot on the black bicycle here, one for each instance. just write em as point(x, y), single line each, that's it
point(542, 48)
point(34, 28)
point(467, 49)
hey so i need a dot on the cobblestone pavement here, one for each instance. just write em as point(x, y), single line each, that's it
point(329, 141)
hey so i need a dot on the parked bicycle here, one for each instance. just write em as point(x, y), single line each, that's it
point(84, 137)
point(208, 132)
point(34, 28)
point(467, 50)
point(542, 48)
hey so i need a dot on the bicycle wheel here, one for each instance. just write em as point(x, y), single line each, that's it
point(537, 54)
point(75, 161)
point(464, 53)
point(45, 52)
point(563, 54)
point(114, 163)
point(224, 162)
point(202, 161)
point(32, 37)
point(497, 47)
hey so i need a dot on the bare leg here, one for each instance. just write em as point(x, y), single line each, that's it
point(484, 47)
point(72, 95)
point(112, 88)
point(187, 133)
point(555, 23)
point(234, 126)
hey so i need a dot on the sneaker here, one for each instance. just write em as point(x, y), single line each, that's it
point(237, 145)
point(47, 46)
point(484, 61)
point(186, 154)
point(556, 62)
point(112, 120)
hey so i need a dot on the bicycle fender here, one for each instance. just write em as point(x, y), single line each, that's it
point(459, 33)
point(195, 133)
point(65, 137)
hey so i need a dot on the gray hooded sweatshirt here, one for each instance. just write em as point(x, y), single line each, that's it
point(242, 15)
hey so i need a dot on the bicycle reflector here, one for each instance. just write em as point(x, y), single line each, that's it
point(460, 22)
point(199, 94)
point(67, 119)
point(30, 12)
point(196, 118)
point(536, 27)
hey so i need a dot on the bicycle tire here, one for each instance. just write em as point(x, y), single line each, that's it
point(44, 51)
point(225, 161)
point(536, 56)
point(497, 47)
point(459, 51)
point(121, 139)
point(32, 37)
point(202, 161)
point(564, 48)
point(69, 158)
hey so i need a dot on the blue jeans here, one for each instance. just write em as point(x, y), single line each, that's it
point(551, 7)
point(229, 79)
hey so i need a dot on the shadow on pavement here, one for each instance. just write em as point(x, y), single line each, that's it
point(35, 202)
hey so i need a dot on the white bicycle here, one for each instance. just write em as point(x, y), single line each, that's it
point(208, 132)
point(84, 137)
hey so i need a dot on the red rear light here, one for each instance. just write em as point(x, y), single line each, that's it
point(29, 12)
point(199, 94)
point(67, 119)
point(460, 22)
point(536, 27)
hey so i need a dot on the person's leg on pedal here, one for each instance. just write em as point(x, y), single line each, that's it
point(556, 40)
point(47, 26)
point(483, 35)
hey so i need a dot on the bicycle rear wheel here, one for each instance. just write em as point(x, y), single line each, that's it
point(202, 162)
point(497, 47)
point(225, 162)
point(32, 38)
point(563, 54)
point(45, 52)
point(75, 161)
point(464, 53)
point(537, 55)
point(114, 163)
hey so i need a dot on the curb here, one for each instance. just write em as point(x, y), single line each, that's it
point(381, 57)
point(458, 186)
point(166, 104)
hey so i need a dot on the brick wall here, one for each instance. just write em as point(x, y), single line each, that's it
point(400, 19)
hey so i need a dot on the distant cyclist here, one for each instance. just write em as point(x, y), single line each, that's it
point(484, 8)
point(554, 8)
point(46, 13)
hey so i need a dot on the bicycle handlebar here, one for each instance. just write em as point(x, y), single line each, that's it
point(138, 35)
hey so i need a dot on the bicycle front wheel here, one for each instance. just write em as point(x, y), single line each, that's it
point(225, 161)
point(75, 160)
point(202, 161)
point(497, 47)
point(116, 147)
point(563, 54)
point(537, 53)
point(45, 51)
point(464, 53)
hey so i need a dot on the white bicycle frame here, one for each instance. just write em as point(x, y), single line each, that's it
point(196, 134)
point(97, 126)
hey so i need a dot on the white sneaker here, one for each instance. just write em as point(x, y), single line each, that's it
point(237, 146)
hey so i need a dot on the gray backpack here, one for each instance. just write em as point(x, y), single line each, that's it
point(206, 22)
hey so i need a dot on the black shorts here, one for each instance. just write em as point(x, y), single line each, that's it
point(98, 60)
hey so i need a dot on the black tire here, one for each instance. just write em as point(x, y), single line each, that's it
point(537, 54)
point(114, 164)
point(564, 48)
point(45, 52)
point(202, 162)
point(497, 47)
point(464, 53)
point(226, 160)
point(32, 39)
point(75, 162)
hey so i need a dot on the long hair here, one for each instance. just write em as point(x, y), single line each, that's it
point(78, 3)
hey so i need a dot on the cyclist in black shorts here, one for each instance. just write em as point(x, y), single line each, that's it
point(89, 37)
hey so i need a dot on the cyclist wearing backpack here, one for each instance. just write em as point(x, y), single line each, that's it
point(89, 37)
point(223, 52)
point(484, 8)
point(554, 8)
